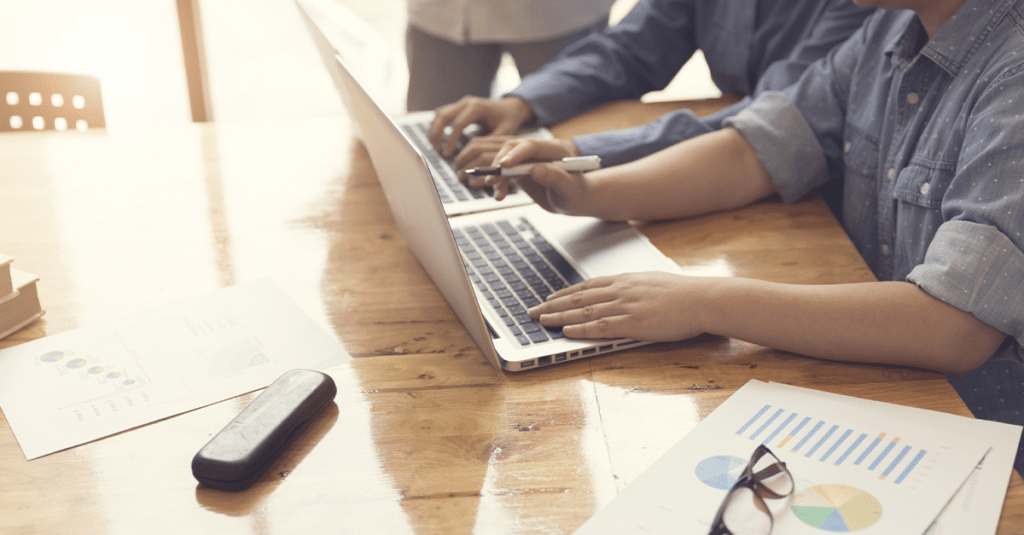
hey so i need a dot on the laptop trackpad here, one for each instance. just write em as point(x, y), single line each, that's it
point(606, 248)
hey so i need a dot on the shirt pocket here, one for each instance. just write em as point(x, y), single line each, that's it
point(924, 184)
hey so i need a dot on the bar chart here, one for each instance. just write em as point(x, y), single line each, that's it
point(882, 453)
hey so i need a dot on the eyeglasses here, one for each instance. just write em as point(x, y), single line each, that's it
point(744, 511)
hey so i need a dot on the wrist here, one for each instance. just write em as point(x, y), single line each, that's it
point(599, 196)
point(718, 299)
point(519, 109)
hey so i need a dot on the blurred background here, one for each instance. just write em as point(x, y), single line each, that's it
point(256, 56)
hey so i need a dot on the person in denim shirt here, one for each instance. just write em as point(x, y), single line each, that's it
point(750, 47)
point(920, 113)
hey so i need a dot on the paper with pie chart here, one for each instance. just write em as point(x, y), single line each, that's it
point(70, 388)
point(977, 506)
point(856, 470)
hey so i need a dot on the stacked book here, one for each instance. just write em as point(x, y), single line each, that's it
point(19, 299)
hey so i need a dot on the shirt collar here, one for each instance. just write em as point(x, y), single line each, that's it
point(964, 32)
point(902, 45)
point(955, 40)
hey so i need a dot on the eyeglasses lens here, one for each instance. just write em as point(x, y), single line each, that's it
point(773, 476)
point(746, 511)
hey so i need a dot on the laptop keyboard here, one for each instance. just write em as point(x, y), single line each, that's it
point(448, 185)
point(515, 268)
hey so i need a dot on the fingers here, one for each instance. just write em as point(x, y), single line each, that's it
point(610, 327)
point(653, 306)
point(480, 151)
point(500, 184)
point(588, 293)
point(500, 117)
point(443, 116)
point(521, 150)
point(467, 116)
point(454, 118)
point(590, 309)
point(601, 320)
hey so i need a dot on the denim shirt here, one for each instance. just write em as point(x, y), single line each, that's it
point(750, 46)
point(929, 143)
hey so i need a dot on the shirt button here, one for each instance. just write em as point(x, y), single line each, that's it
point(891, 174)
point(925, 187)
point(912, 98)
point(885, 250)
point(846, 147)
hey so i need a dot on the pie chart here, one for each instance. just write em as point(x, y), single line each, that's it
point(720, 471)
point(836, 508)
point(52, 356)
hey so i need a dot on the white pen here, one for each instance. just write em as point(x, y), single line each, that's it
point(576, 164)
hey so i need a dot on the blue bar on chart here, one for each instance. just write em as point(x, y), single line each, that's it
point(766, 424)
point(838, 443)
point(822, 441)
point(871, 448)
point(807, 437)
point(779, 429)
point(754, 419)
point(884, 453)
point(913, 463)
point(794, 432)
point(896, 461)
point(852, 447)
point(787, 437)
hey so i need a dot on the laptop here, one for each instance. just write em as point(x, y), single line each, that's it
point(332, 40)
point(493, 265)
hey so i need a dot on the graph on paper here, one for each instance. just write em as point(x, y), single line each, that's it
point(857, 468)
point(884, 453)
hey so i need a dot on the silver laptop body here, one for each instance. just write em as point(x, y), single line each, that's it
point(590, 247)
point(331, 39)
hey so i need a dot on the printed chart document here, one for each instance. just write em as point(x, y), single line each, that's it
point(977, 505)
point(74, 387)
point(856, 469)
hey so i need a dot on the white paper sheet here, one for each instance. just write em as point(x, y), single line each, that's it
point(976, 507)
point(74, 387)
point(856, 469)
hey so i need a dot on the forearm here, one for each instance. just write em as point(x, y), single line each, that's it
point(716, 171)
point(879, 322)
point(616, 147)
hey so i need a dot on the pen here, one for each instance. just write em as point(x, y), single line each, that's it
point(576, 164)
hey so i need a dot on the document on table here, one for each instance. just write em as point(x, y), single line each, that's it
point(856, 467)
point(74, 387)
point(976, 507)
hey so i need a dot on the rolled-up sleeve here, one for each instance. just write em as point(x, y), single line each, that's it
point(976, 268)
point(975, 261)
point(784, 143)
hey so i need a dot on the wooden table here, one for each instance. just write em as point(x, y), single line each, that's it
point(425, 437)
